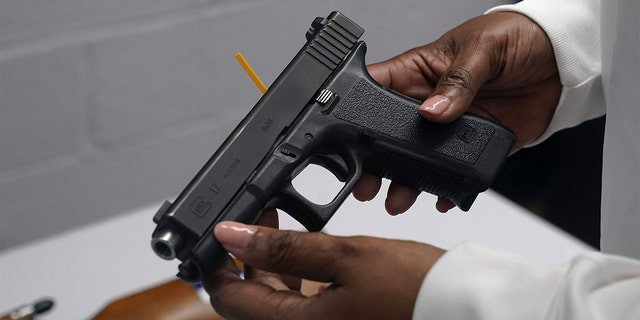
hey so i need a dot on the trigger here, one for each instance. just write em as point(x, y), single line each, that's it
point(334, 163)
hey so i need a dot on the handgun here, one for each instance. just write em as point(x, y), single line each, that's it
point(324, 109)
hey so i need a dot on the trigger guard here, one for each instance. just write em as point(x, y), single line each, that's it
point(310, 215)
point(334, 163)
point(315, 216)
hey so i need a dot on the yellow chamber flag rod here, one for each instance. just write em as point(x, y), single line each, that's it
point(247, 68)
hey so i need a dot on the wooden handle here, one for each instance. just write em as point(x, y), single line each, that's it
point(175, 300)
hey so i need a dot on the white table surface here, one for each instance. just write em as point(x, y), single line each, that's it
point(84, 269)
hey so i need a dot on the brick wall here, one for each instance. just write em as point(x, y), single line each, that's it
point(107, 106)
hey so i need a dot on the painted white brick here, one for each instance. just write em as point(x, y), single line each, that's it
point(147, 82)
point(152, 80)
point(103, 186)
point(158, 79)
point(43, 105)
point(24, 19)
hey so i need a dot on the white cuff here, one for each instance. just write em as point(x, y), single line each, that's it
point(574, 30)
point(473, 282)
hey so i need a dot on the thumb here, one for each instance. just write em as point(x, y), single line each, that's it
point(312, 256)
point(381, 72)
point(458, 86)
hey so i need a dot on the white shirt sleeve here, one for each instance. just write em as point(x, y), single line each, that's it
point(574, 30)
point(474, 282)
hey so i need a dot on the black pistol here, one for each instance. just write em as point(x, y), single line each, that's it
point(324, 109)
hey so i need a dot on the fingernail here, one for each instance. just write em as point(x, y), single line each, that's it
point(436, 105)
point(234, 234)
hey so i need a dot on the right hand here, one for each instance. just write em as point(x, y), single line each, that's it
point(500, 66)
point(371, 278)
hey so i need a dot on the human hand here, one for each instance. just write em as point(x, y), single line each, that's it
point(500, 66)
point(370, 278)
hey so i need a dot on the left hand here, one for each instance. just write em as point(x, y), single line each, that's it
point(500, 66)
point(371, 278)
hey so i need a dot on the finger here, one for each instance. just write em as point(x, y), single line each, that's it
point(312, 256)
point(367, 188)
point(273, 280)
point(458, 86)
point(226, 272)
point(234, 298)
point(269, 218)
point(400, 198)
point(443, 205)
point(309, 255)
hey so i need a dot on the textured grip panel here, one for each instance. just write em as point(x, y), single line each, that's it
point(375, 108)
point(412, 173)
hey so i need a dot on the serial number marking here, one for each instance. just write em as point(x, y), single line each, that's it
point(267, 125)
point(232, 167)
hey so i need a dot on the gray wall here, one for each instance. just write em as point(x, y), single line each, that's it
point(107, 106)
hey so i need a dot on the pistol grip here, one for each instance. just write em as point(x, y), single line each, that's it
point(457, 160)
